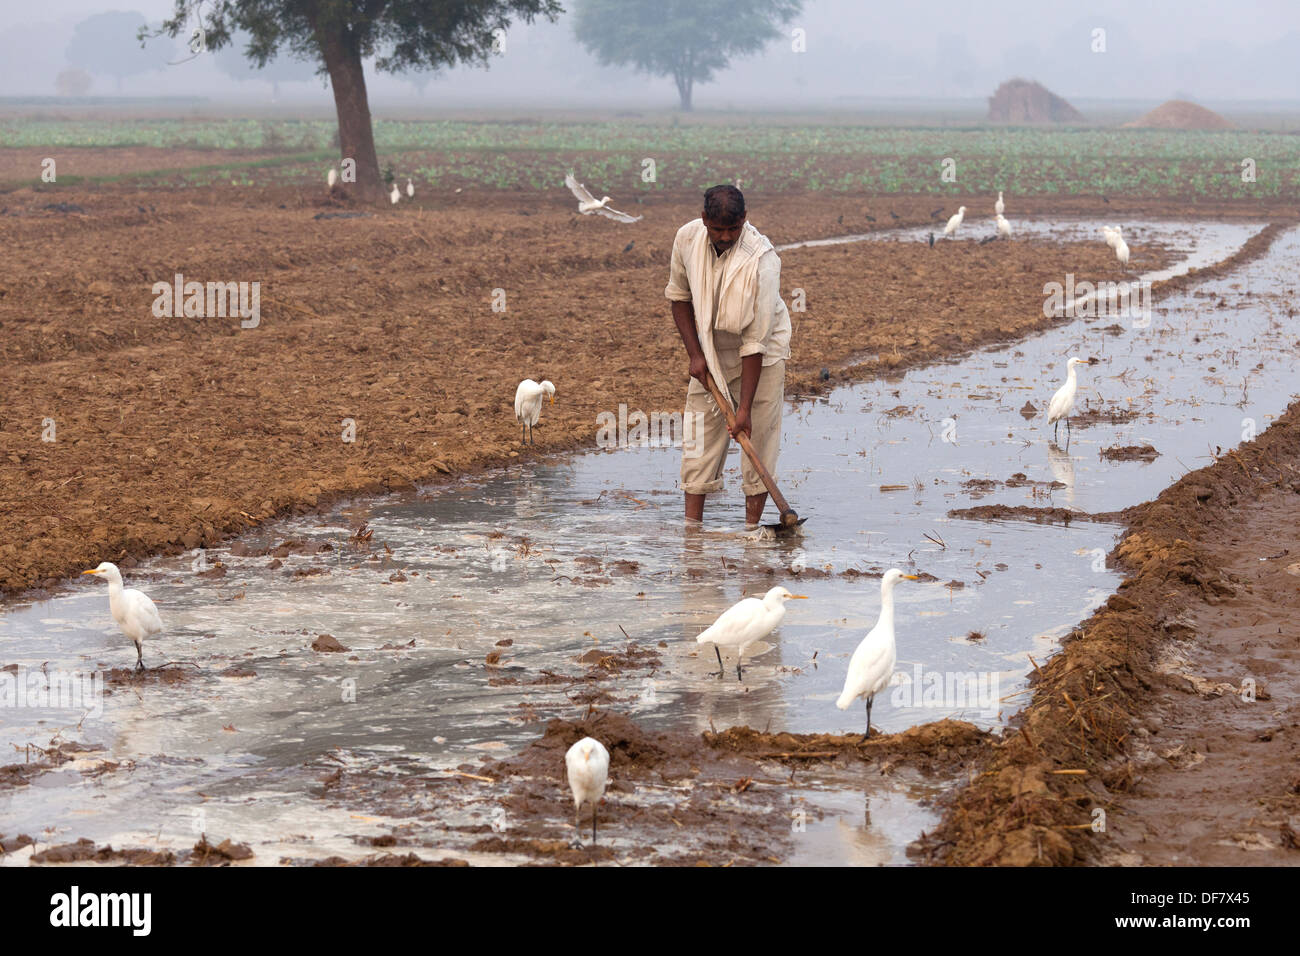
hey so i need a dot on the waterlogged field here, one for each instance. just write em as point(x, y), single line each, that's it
point(524, 154)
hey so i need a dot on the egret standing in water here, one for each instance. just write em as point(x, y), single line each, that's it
point(1004, 227)
point(1063, 401)
point(135, 614)
point(528, 405)
point(872, 663)
point(587, 763)
point(746, 622)
point(955, 221)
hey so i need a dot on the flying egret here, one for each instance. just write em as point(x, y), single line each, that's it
point(1063, 401)
point(528, 405)
point(134, 613)
point(955, 221)
point(745, 622)
point(331, 178)
point(999, 207)
point(587, 203)
point(1004, 227)
point(410, 189)
point(872, 664)
point(587, 763)
point(394, 195)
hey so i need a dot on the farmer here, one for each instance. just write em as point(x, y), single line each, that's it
point(725, 287)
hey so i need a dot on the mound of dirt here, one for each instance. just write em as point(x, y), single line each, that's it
point(1180, 114)
point(1024, 101)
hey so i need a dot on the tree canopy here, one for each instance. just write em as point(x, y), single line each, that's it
point(339, 34)
point(689, 40)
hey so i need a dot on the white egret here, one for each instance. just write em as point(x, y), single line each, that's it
point(410, 189)
point(955, 221)
point(1004, 227)
point(1063, 401)
point(331, 178)
point(1121, 251)
point(999, 207)
point(394, 195)
point(746, 622)
point(587, 203)
point(872, 664)
point(587, 763)
point(134, 613)
point(1112, 235)
point(528, 405)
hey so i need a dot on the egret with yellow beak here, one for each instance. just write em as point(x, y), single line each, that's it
point(135, 614)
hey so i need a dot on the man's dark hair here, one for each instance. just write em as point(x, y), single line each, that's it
point(724, 205)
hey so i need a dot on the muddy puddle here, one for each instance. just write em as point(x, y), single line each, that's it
point(472, 614)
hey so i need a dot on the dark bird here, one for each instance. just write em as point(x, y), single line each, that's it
point(871, 219)
point(931, 240)
point(840, 220)
point(826, 373)
point(934, 214)
point(628, 247)
point(1105, 200)
point(987, 239)
point(894, 214)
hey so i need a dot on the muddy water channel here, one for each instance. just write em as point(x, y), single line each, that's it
point(473, 613)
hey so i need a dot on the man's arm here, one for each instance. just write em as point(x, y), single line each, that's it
point(751, 367)
point(684, 318)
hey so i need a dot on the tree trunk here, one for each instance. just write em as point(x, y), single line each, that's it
point(356, 135)
point(682, 77)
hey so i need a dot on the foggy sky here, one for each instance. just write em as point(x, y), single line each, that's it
point(1156, 50)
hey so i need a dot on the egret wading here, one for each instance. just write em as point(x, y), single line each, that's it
point(746, 622)
point(134, 613)
point(1004, 227)
point(954, 222)
point(587, 763)
point(1063, 401)
point(872, 664)
point(528, 405)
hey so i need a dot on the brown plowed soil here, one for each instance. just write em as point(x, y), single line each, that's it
point(172, 433)
point(1166, 731)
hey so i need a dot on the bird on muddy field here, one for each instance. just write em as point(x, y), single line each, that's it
point(394, 195)
point(134, 613)
point(1112, 234)
point(931, 240)
point(745, 623)
point(1121, 252)
point(954, 222)
point(999, 207)
point(872, 664)
point(936, 213)
point(1063, 401)
point(528, 405)
point(588, 204)
point(410, 189)
point(587, 764)
point(331, 178)
point(1004, 227)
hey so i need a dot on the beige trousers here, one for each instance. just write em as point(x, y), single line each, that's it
point(702, 468)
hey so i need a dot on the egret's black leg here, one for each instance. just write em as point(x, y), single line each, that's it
point(593, 822)
point(139, 659)
point(1056, 428)
point(868, 733)
point(721, 672)
point(1067, 434)
point(739, 676)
